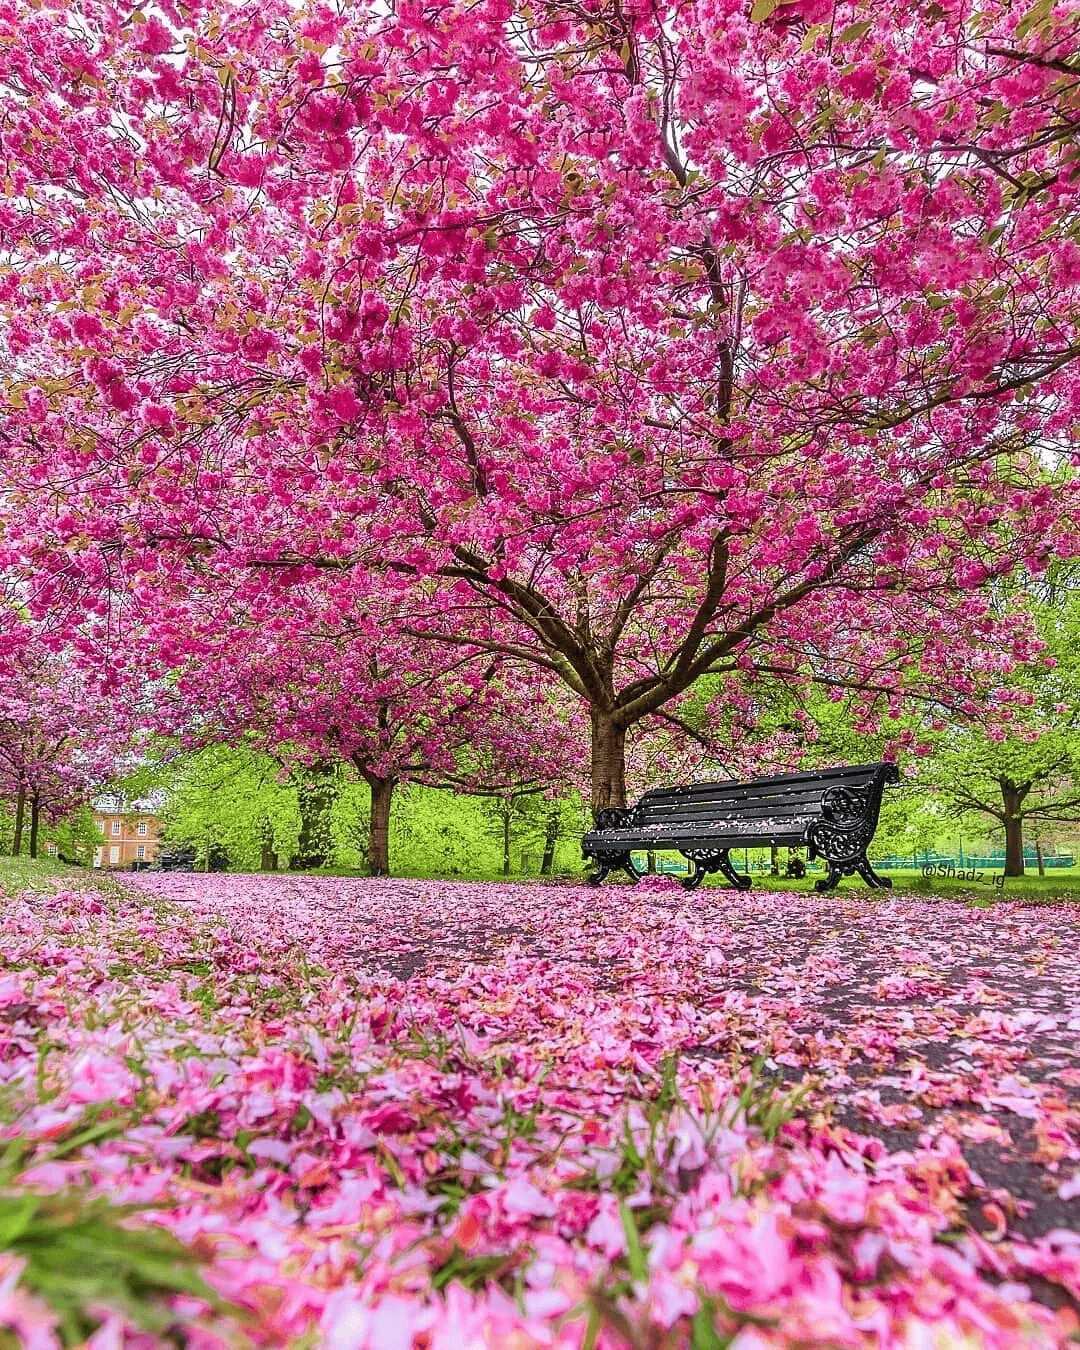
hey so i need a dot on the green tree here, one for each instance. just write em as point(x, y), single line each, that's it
point(1027, 775)
point(75, 836)
point(232, 797)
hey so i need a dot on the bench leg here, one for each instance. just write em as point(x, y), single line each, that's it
point(602, 869)
point(871, 877)
point(696, 877)
point(610, 864)
point(860, 865)
point(715, 862)
point(740, 880)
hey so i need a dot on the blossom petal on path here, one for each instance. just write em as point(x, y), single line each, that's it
point(431, 1113)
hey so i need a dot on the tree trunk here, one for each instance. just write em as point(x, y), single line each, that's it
point(35, 821)
point(316, 789)
point(382, 797)
point(1039, 856)
point(551, 834)
point(20, 813)
point(268, 859)
point(650, 863)
point(1012, 797)
point(608, 762)
point(507, 809)
point(774, 861)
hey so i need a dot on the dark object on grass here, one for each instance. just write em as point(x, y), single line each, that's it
point(178, 859)
point(795, 868)
point(833, 813)
point(217, 860)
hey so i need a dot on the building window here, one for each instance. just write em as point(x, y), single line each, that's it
point(114, 853)
point(140, 851)
point(101, 826)
point(141, 829)
point(116, 827)
point(97, 856)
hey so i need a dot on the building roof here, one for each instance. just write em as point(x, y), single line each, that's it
point(111, 804)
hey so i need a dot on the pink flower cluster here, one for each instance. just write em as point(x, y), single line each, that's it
point(429, 1116)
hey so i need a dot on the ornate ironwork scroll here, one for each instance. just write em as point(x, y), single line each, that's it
point(617, 856)
point(709, 860)
point(842, 836)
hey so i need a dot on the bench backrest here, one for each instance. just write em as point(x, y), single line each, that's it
point(772, 801)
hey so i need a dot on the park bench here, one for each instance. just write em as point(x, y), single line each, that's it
point(831, 812)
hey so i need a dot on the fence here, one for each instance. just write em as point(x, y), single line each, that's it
point(987, 862)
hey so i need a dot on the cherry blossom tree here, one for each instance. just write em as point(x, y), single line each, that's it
point(636, 344)
point(388, 708)
point(60, 738)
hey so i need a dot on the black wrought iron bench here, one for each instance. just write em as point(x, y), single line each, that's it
point(831, 812)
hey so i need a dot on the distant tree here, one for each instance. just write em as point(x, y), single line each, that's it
point(75, 836)
point(1023, 769)
point(234, 797)
point(321, 696)
point(61, 735)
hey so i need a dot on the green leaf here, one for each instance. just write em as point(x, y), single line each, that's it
point(81, 1260)
point(15, 1215)
point(761, 10)
point(1036, 16)
point(703, 1332)
point(103, 1130)
point(855, 30)
point(635, 1255)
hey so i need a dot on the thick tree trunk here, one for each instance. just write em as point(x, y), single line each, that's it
point(650, 863)
point(20, 814)
point(608, 762)
point(35, 822)
point(551, 835)
point(1012, 797)
point(774, 861)
point(382, 797)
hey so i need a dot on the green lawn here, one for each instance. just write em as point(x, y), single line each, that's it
point(1062, 884)
point(20, 874)
point(1059, 884)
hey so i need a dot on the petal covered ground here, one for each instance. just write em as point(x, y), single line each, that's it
point(430, 1116)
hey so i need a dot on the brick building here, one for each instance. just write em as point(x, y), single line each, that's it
point(130, 832)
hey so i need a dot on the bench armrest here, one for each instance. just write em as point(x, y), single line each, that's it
point(839, 843)
point(849, 817)
point(614, 818)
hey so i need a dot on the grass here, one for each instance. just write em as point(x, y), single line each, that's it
point(22, 874)
point(990, 887)
point(1059, 884)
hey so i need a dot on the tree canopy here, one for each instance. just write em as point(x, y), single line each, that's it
point(634, 344)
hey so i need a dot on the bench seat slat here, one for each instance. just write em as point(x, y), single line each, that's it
point(683, 836)
point(819, 780)
point(704, 801)
point(728, 809)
